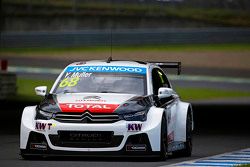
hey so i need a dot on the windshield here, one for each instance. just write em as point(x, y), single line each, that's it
point(106, 80)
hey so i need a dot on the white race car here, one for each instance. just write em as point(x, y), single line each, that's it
point(108, 108)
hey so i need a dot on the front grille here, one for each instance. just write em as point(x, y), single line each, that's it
point(86, 117)
point(86, 139)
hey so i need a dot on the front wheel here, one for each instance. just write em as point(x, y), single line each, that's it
point(187, 151)
point(164, 143)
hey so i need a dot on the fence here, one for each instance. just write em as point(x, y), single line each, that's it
point(125, 37)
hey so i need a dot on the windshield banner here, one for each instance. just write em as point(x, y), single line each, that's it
point(112, 69)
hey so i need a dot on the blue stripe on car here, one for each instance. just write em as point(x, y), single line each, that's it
point(119, 69)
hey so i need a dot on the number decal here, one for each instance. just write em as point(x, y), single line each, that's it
point(64, 83)
point(69, 82)
point(73, 82)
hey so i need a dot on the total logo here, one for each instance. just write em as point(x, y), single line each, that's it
point(43, 126)
point(92, 107)
point(89, 106)
point(134, 127)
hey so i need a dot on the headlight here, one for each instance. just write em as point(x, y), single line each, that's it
point(43, 114)
point(137, 116)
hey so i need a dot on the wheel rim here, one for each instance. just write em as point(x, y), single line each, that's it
point(164, 137)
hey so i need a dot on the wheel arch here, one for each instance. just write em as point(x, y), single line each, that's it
point(183, 109)
point(27, 123)
point(154, 122)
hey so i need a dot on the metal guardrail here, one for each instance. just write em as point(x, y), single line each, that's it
point(125, 37)
point(8, 85)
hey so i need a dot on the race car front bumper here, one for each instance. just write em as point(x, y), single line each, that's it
point(122, 138)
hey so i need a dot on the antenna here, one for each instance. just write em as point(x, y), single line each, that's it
point(109, 59)
point(111, 42)
point(111, 45)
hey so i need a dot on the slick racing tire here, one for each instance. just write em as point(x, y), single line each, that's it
point(164, 142)
point(189, 143)
point(187, 151)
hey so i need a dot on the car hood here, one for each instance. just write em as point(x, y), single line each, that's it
point(98, 103)
point(92, 102)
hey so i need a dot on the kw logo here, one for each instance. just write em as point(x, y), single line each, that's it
point(43, 126)
point(134, 127)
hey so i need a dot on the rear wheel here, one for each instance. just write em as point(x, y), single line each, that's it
point(189, 143)
point(187, 151)
point(164, 142)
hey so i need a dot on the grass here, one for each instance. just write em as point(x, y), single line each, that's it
point(244, 165)
point(26, 91)
point(171, 48)
point(216, 16)
point(207, 93)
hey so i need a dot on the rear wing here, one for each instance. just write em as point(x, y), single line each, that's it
point(163, 65)
point(167, 64)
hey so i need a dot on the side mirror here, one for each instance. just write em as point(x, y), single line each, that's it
point(41, 90)
point(165, 92)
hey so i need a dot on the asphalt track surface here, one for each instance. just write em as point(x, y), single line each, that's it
point(218, 129)
point(204, 145)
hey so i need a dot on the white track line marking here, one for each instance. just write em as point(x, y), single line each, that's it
point(209, 78)
point(34, 70)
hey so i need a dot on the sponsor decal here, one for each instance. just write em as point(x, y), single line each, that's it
point(77, 75)
point(134, 127)
point(171, 137)
point(91, 99)
point(84, 136)
point(120, 69)
point(92, 107)
point(38, 146)
point(136, 147)
point(43, 126)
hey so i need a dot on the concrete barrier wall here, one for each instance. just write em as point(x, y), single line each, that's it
point(125, 37)
point(8, 86)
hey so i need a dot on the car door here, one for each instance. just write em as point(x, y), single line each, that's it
point(169, 104)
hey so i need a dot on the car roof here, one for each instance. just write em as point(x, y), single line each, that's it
point(112, 63)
